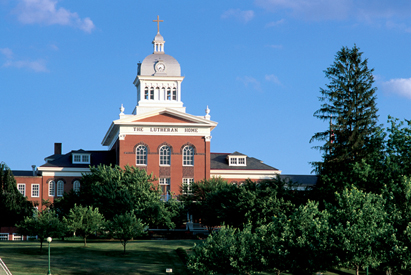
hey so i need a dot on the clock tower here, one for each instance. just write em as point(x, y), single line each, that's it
point(158, 80)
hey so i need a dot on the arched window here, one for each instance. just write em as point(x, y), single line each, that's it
point(60, 188)
point(76, 186)
point(174, 93)
point(168, 93)
point(165, 155)
point(163, 93)
point(146, 93)
point(141, 155)
point(188, 156)
point(152, 93)
point(51, 188)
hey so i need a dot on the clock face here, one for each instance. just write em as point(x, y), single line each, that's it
point(160, 67)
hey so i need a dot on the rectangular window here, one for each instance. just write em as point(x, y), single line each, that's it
point(81, 158)
point(22, 188)
point(35, 190)
point(241, 161)
point(187, 186)
point(165, 188)
point(233, 161)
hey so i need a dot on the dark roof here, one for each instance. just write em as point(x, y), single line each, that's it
point(96, 158)
point(23, 173)
point(302, 180)
point(219, 161)
point(236, 154)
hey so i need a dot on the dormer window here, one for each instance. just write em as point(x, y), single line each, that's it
point(237, 159)
point(81, 158)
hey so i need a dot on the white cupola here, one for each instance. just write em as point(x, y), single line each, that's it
point(158, 80)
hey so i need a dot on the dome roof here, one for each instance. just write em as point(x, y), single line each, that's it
point(158, 37)
point(172, 67)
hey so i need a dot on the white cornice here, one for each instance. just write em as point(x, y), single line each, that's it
point(133, 120)
point(63, 169)
point(157, 78)
point(244, 174)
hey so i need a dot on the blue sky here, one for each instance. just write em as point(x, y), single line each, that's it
point(67, 66)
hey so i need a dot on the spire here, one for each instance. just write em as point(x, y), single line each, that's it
point(158, 41)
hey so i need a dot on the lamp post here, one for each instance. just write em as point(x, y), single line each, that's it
point(49, 239)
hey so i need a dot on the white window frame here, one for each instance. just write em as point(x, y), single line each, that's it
point(22, 188)
point(165, 155)
point(33, 191)
point(188, 182)
point(60, 188)
point(76, 186)
point(188, 155)
point(81, 158)
point(141, 155)
point(237, 161)
point(52, 188)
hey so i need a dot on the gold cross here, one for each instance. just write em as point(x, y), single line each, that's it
point(158, 23)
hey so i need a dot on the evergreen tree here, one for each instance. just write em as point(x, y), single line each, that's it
point(354, 137)
point(13, 205)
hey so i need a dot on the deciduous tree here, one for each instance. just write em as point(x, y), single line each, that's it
point(43, 224)
point(125, 227)
point(84, 221)
point(359, 228)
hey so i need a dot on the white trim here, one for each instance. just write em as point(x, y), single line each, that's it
point(63, 169)
point(246, 174)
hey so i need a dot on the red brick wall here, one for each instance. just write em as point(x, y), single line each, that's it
point(201, 168)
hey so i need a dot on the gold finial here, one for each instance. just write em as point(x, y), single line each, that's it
point(158, 23)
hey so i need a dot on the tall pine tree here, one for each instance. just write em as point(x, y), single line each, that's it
point(353, 138)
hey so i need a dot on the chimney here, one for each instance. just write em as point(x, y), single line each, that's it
point(57, 148)
point(34, 170)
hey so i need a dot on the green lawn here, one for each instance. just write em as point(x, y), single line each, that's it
point(71, 257)
point(102, 257)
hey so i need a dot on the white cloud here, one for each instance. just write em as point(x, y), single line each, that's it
point(402, 27)
point(309, 9)
point(375, 12)
point(275, 23)
point(243, 16)
point(6, 52)
point(248, 80)
point(45, 12)
point(272, 78)
point(400, 86)
point(37, 66)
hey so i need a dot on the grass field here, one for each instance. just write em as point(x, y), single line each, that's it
point(71, 257)
point(102, 257)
